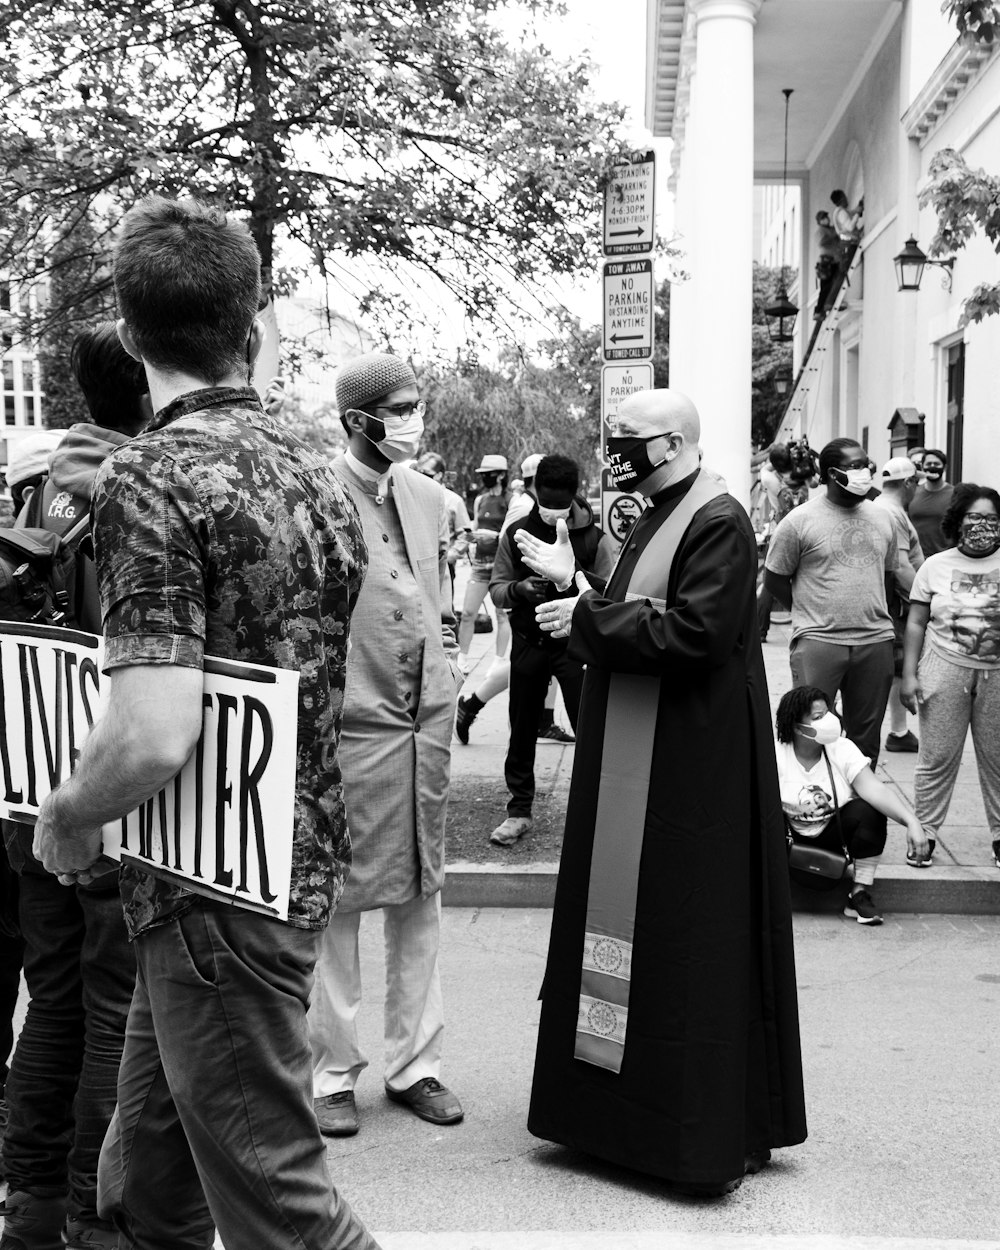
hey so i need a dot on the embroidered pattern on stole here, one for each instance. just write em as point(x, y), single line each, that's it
point(626, 764)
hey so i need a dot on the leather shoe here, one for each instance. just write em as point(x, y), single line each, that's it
point(430, 1100)
point(337, 1114)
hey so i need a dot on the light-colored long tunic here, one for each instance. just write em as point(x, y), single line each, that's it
point(399, 703)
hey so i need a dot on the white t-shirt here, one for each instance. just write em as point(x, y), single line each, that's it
point(964, 598)
point(805, 792)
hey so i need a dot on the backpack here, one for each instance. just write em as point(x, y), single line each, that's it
point(41, 574)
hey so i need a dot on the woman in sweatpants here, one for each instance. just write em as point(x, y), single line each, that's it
point(951, 661)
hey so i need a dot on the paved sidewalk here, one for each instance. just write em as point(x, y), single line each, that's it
point(962, 880)
point(900, 1055)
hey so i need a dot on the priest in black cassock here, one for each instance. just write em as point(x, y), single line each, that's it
point(669, 1035)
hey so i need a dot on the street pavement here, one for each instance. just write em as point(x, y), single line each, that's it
point(900, 1051)
point(963, 878)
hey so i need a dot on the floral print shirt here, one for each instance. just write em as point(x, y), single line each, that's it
point(217, 532)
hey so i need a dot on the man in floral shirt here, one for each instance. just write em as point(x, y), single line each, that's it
point(217, 533)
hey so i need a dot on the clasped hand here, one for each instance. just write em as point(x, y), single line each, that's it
point(70, 854)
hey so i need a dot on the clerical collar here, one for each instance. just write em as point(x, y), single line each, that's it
point(675, 490)
point(379, 482)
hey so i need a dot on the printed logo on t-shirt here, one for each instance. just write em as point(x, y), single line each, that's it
point(974, 618)
point(811, 810)
point(854, 543)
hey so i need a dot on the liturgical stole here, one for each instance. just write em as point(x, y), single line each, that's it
point(626, 762)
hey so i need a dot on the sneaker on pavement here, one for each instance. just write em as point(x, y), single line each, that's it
point(463, 721)
point(925, 862)
point(337, 1114)
point(862, 908)
point(902, 742)
point(555, 733)
point(89, 1234)
point(430, 1100)
point(32, 1223)
point(513, 827)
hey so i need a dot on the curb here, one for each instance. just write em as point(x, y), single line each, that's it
point(954, 890)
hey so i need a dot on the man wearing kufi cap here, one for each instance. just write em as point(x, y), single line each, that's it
point(399, 705)
point(898, 480)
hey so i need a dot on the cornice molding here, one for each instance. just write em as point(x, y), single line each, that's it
point(963, 64)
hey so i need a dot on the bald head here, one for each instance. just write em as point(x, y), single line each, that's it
point(668, 423)
point(659, 412)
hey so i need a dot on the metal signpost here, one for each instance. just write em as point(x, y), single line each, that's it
point(629, 230)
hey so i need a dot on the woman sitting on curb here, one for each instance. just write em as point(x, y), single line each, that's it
point(815, 759)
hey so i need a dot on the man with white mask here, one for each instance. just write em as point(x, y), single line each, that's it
point(399, 706)
point(828, 561)
point(669, 1039)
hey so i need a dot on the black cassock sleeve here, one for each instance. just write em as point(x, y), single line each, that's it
point(715, 579)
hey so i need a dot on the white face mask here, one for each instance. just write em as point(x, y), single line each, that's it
point(402, 437)
point(859, 481)
point(825, 731)
point(551, 515)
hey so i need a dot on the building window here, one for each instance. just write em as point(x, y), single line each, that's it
point(4, 297)
point(956, 410)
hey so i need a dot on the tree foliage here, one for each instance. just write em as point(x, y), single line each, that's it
point(965, 200)
point(413, 134)
point(522, 406)
point(977, 19)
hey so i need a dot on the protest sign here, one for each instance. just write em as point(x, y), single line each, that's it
point(223, 826)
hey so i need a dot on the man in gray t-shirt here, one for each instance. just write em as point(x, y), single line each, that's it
point(827, 561)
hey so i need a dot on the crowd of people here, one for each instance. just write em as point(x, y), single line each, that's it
point(182, 1058)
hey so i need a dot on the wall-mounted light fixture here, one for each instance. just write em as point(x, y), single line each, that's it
point(782, 313)
point(910, 265)
point(782, 379)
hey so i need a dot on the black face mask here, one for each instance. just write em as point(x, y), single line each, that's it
point(935, 473)
point(629, 460)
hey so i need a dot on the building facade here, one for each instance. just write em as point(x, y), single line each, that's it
point(879, 86)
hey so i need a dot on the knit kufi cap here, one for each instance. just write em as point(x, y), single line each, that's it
point(368, 377)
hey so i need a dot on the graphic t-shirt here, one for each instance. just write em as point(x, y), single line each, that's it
point(837, 559)
point(964, 598)
point(805, 792)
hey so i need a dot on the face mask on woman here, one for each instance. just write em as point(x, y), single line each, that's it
point(980, 536)
point(825, 731)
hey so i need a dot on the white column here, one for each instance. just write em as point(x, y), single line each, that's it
point(722, 259)
point(683, 305)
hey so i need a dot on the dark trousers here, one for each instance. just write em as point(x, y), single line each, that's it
point(62, 1085)
point(863, 829)
point(862, 674)
point(215, 1121)
point(531, 669)
point(11, 957)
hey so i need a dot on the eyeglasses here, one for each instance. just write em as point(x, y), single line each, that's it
point(402, 411)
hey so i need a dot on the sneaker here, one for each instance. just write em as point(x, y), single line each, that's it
point(463, 721)
point(914, 862)
point(902, 742)
point(555, 733)
point(32, 1223)
point(89, 1234)
point(861, 908)
point(996, 852)
point(513, 827)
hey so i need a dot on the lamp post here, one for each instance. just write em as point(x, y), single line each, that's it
point(910, 264)
point(782, 313)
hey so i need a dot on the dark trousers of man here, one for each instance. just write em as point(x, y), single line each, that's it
point(215, 1121)
point(62, 1085)
point(11, 956)
point(862, 674)
point(531, 669)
